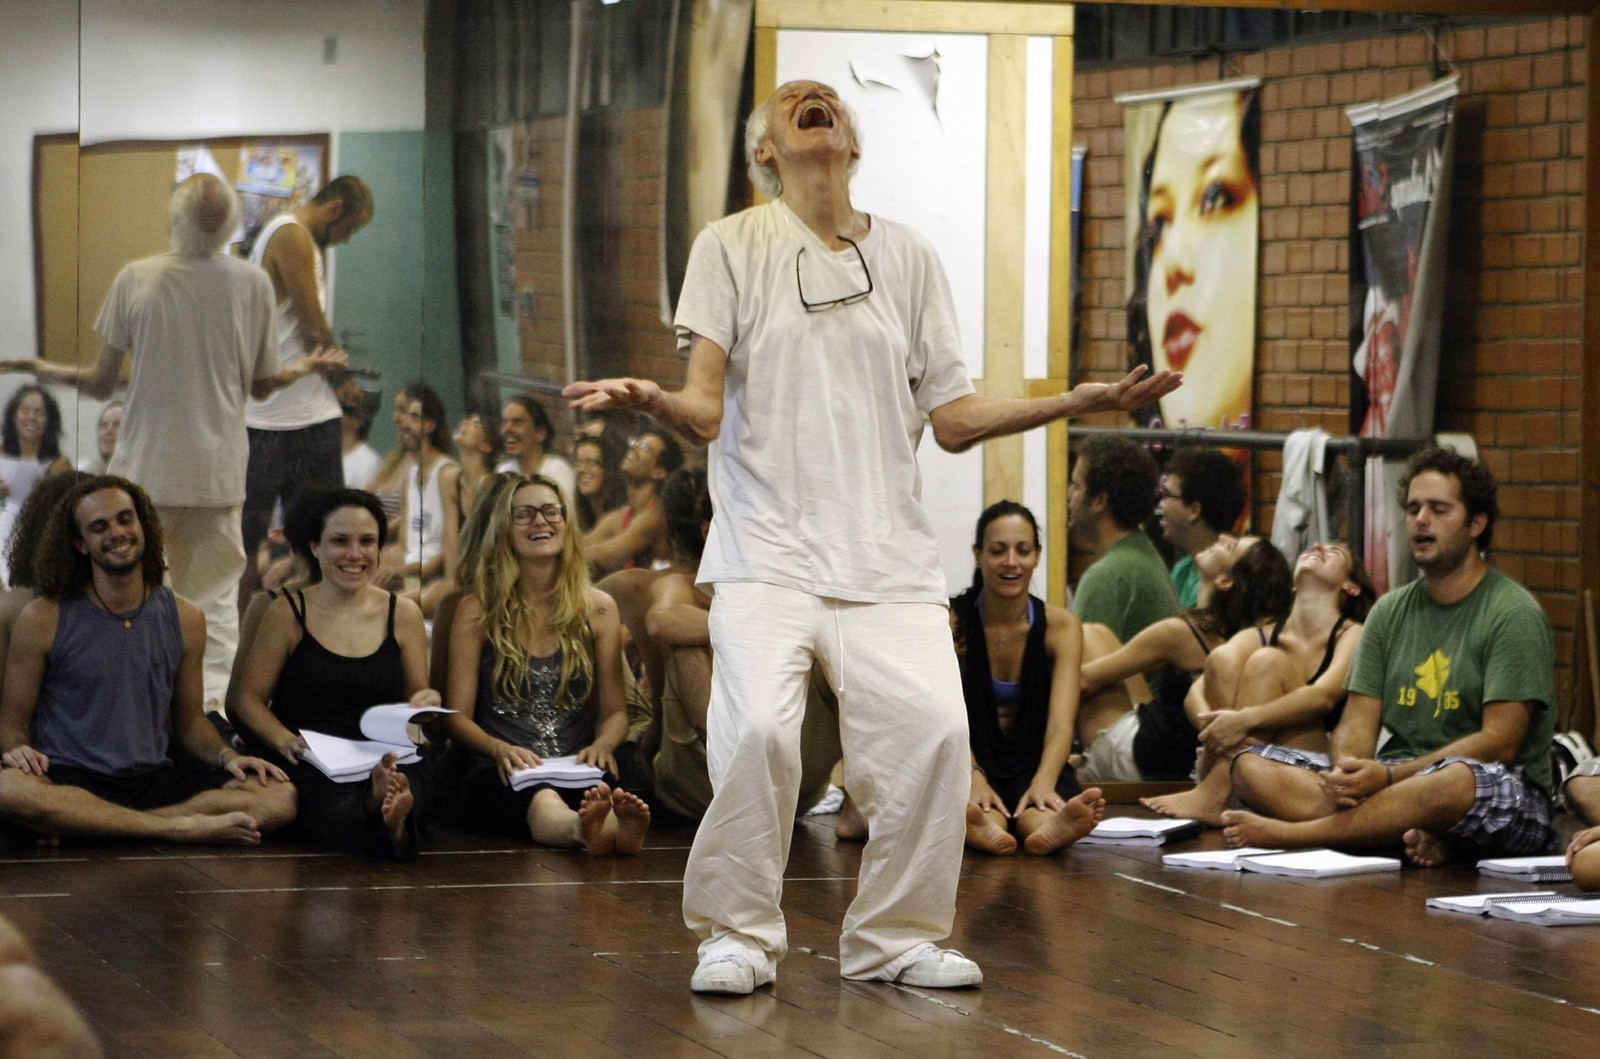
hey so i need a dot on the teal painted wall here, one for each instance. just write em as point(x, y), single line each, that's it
point(394, 286)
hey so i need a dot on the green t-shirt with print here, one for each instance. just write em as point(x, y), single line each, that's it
point(1433, 667)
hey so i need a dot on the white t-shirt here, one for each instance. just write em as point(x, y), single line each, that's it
point(199, 332)
point(361, 466)
point(425, 515)
point(553, 467)
point(308, 401)
point(814, 477)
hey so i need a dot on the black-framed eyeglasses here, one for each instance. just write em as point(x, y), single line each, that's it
point(524, 514)
point(849, 299)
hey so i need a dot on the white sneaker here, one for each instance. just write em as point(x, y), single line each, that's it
point(729, 974)
point(936, 968)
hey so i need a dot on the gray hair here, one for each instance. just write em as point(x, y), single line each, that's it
point(764, 177)
point(204, 214)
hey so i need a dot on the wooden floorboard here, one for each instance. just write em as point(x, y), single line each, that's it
point(485, 948)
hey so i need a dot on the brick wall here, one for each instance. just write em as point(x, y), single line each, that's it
point(1512, 329)
point(1511, 340)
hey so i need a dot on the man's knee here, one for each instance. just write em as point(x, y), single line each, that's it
point(1255, 779)
point(272, 804)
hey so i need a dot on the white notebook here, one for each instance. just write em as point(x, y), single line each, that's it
point(1550, 911)
point(352, 760)
point(1479, 904)
point(557, 772)
point(1214, 859)
point(1137, 831)
point(1552, 868)
point(1318, 864)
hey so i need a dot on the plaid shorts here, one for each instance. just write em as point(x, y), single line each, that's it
point(1508, 814)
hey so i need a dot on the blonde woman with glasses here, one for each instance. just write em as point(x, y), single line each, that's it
point(535, 672)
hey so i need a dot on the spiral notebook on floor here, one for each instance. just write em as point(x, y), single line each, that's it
point(1552, 868)
point(1571, 911)
point(1214, 859)
point(1479, 904)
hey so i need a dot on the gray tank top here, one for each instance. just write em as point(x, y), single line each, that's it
point(105, 703)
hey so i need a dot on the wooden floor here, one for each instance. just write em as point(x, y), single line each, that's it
point(483, 949)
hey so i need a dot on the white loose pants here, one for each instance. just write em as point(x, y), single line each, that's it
point(903, 727)
point(205, 559)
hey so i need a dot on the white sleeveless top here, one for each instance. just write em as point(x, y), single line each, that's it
point(311, 400)
point(424, 515)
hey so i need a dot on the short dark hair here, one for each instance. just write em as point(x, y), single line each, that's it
point(671, 457)
point(305, 520)
point(1124, 473)
point(1212, 479)
point(685, 504)
point(348, 189)
point(61, 571)
point(1479, 492)
point(536, 412)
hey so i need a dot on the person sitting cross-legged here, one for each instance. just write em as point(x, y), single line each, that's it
point(104, 675)
point(321, 657)
point(1459, 667)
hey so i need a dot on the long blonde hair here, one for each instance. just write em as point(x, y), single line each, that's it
point(506, 613)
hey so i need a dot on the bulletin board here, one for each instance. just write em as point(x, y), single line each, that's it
point(97, 208)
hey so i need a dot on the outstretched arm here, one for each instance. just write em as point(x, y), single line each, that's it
point(694, 411)
point(98, 380)
point(964, 422)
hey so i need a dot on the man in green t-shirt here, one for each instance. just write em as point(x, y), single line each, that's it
point(1201, 497)
point(1111, 494)
point(1458, 666)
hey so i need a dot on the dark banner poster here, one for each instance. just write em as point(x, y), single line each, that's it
point(1399, 221)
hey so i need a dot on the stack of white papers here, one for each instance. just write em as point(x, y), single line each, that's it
point(1215, 859)
point(1134, 831)
point(557, 772)
point(352, 760)
point(1528, 869)
point(1318, 864)
point(1478, 904)
point(1550, 911)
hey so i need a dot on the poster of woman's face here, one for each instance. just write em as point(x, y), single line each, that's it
point(1197, 256)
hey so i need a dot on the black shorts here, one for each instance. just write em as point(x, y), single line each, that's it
point(156, 788)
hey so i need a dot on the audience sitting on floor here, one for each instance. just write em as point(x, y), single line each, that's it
point(1201, 497)
point(1284, 685)
point(677, 648)
point(1131, 729)
point(1458, 667)
point(320, 657)
point(1128, 588)
point(103, 676)
point(26, 532)
point(1019, 660)
point(535, 671)
point(601, 487)
point(107, 430)
point(430, 513)
point(357, 409)
point(526, 437)
point(634, 536)
point(477, 450)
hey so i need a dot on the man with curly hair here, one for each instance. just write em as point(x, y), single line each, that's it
point(104, 673)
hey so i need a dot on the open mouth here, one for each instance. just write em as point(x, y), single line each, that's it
point(1178, 340)
point(814, 115)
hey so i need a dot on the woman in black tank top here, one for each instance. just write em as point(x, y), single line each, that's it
point(321, 657)
point(1280, 684)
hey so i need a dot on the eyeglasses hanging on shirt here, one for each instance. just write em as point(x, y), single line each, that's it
point(848, 299)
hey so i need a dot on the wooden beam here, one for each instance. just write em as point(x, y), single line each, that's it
point(918, 16)
point(1005, 223)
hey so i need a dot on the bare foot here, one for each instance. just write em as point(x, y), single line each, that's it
point(986, 835)
point(397, 808)
point(1425, 848)
point(1075, 819)
point(852, 826)
point(1193, 804)
point(593, 817)
point(633, 820)
point(383, 774)
point(233, 829)
point(1241, 828)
